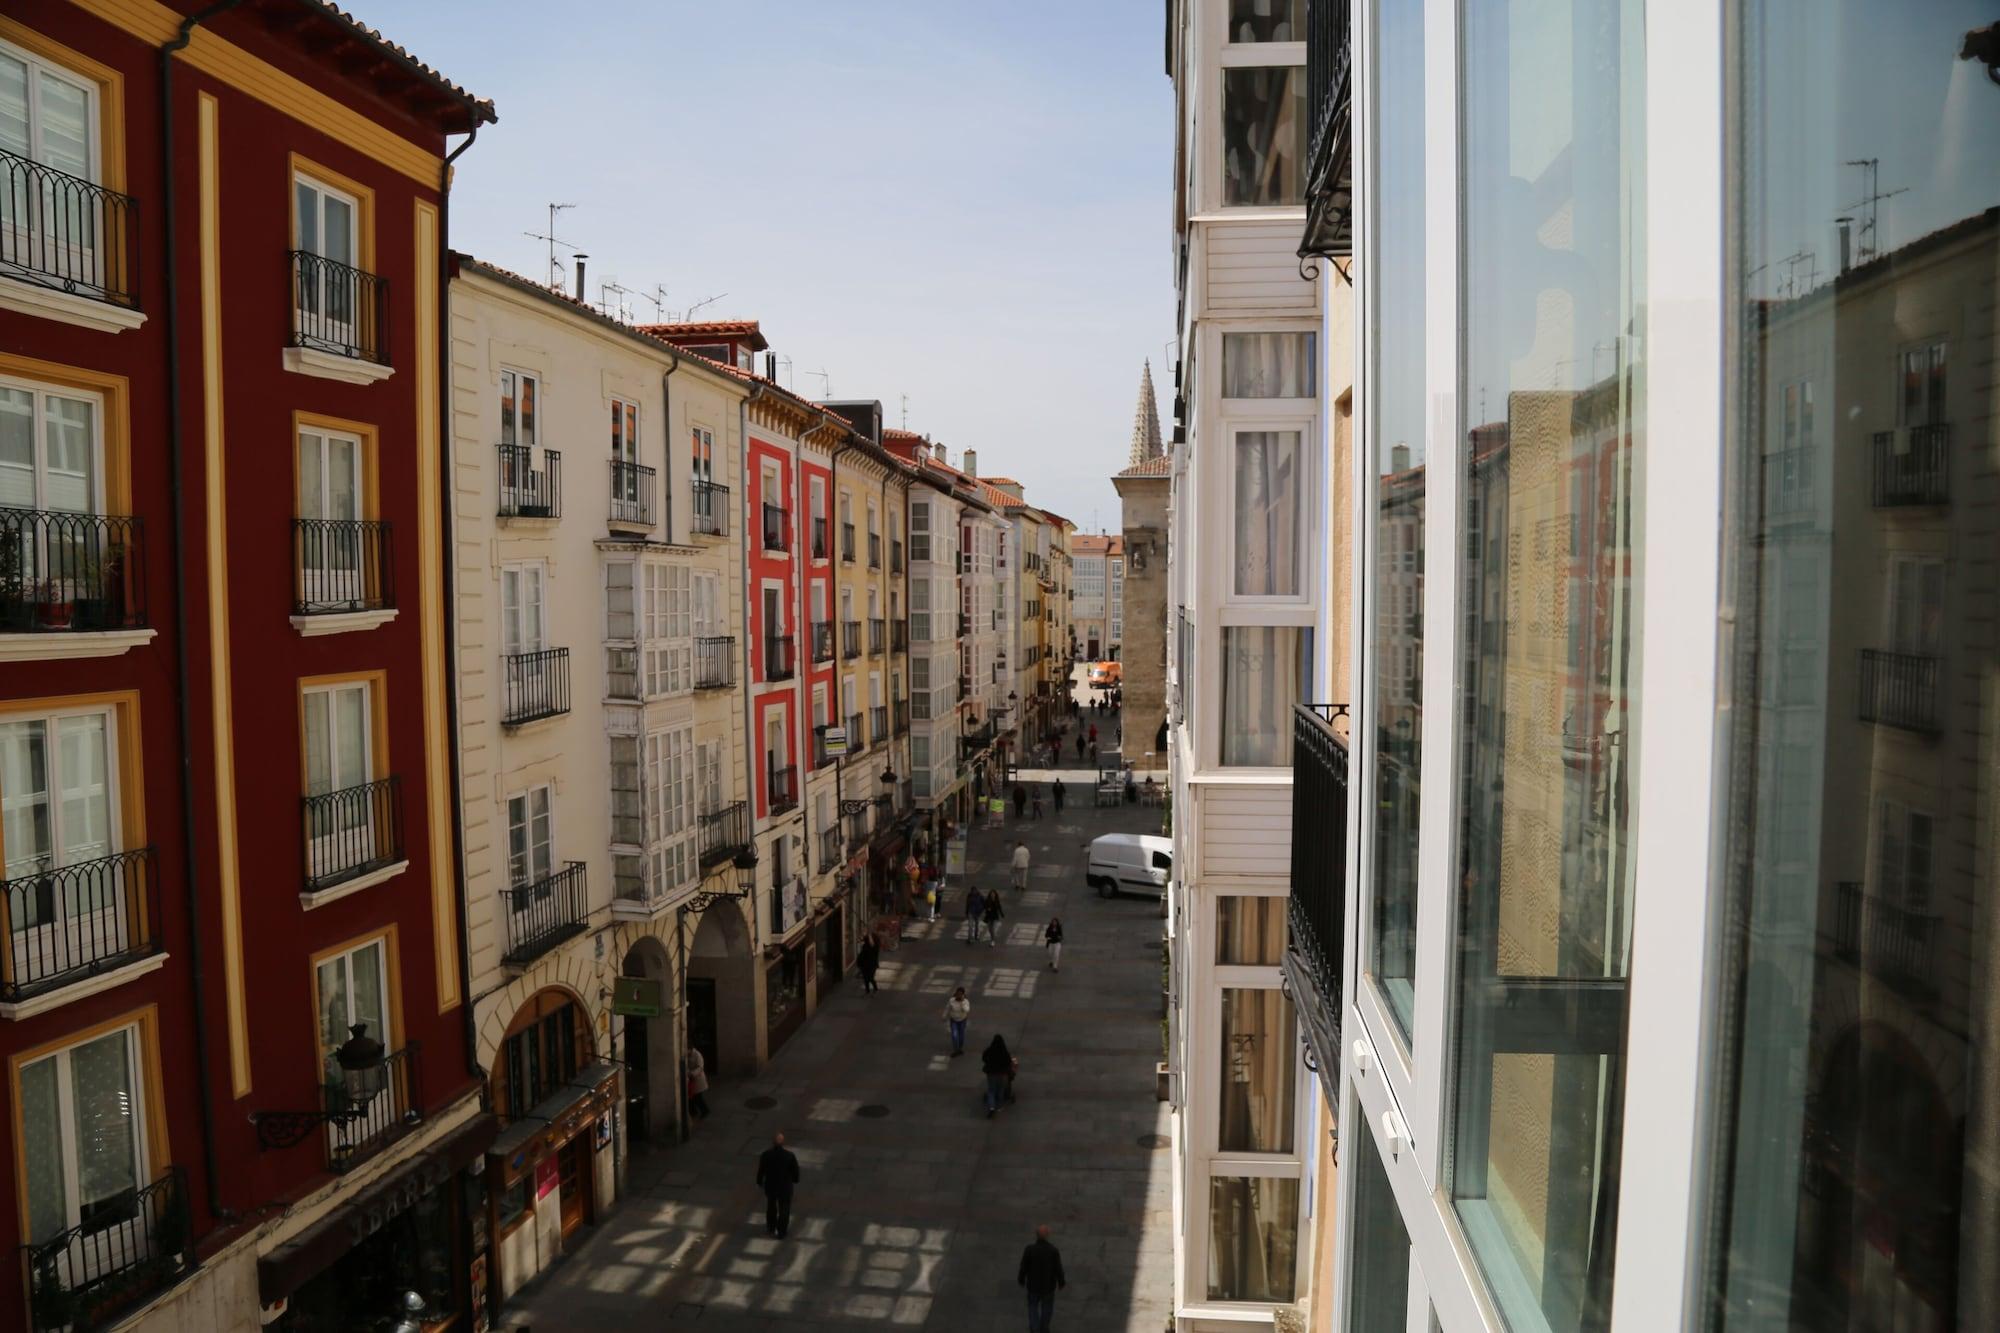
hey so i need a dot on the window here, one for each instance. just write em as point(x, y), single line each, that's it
point(1267, 20)
point(1378, 1248)
point(920, 532)
point(51, 449)
point(627, 819)
point(83, 1140)
point(625, 484)
point(669, 611)
point(1263, 127)
point(1249, 931)
point(332, 566)
point(1268, 500)
point(708, 615)
point(709, 775)
point(339, 729)
point(60, 807)
point(1253, 1237)
point(701, 454)
point(352, 988)
point(530, 837)
point(1264, 670)
point(1916, 606)
point(542, 1053)
point(1258, 1087)
point(1268, 365)
point(520, 405)
point(328, 224)
point(47, 115)
point(1920, 393)
point(522, 623)
point(670, 793)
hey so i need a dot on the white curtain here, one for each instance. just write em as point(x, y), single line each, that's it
point(1267, 513)
point(1267, 365)
point(1262, 671)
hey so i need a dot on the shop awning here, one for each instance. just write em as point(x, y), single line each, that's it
point(305, 1256)
point(552, 1108)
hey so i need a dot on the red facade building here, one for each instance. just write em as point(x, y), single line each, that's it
point(232, 1003)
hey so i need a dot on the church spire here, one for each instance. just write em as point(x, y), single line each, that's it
point(1146, 421)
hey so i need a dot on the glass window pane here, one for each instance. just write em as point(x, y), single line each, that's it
point(1396, 550)
point(65, 125)
point(1378, 1247)
point(106, 1119)
point(1552, 253)
point(1250, 931)
point(1263, 127)
point(27, 825)
point(1264, 668)
point(69, 427)
point(1267, 365)
point(1858, 1117)
point(1269, 499)
point(42, 1144)
point(17, 446)
point(1253, 1238)
point(306, 201)
point(13, 107)
point(1259, 1064)
point(1267, 20)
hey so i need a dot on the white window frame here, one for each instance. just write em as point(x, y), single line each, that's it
point(120, 1243)
point(522, 816)
point(357, 837)
point(376, 1117)
point(1238, 55)
point(672, 773)
point(42, 948)
point(39, 395)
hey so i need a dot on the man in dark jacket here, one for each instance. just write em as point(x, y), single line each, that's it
point(1041, 1273)
point(777, 1173)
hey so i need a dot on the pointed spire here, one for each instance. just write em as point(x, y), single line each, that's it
point(1146, 421)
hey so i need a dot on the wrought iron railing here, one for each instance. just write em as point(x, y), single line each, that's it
point(341, 564)
point(358, 1130)
point(527, 491)
point(781, 658)
point(777, 528)
point(543, 914)
point(1788, 483)
point(711, 508)
point(631, 493)
point(70, 572)
point(874, 550)
point(1899, 690)
point(714, 663)
point(534, 686)
point(878, 635)
point(1912, 466)
point(818, 538)
point(783, 786)
point(895, 557)
point(353, 831)
point(857, 739)
point(847, 542)
point(339, 308)
point(902, 714)
point(65, 924)
point(1886, 940)
point(860, 827)
point(723, 833)
point(850, 639)
point(878, 723)
point(67, 234)
point(131, 1246)
point(899, 636)
point(831, 853)
point(822, 641)
point(1319, 850)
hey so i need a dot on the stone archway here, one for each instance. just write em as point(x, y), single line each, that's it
point(723, 999)
point(651, 1050)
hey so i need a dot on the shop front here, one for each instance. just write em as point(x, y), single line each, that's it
point(551, 1173)
point(786, 967)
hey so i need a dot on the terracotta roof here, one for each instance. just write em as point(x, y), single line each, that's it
point(1001, 481)
point(480, 109)
point(1053, 517)
point(747, 329)
point(1090, 543)
point(1163, 466)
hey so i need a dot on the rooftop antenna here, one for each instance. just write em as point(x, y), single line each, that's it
point(657, 298)
point(906, 411)
point(786, 362)
point(1866, 247)
point(604, 289)
point(555, 273)
point(708, 300)
point(825, 383)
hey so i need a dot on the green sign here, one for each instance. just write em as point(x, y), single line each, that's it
point(636, 997)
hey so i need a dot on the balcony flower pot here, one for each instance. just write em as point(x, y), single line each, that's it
point(54, 606)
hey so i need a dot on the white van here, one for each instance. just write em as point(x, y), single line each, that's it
point(1130, 863)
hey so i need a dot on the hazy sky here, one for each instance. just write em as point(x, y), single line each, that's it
point(964, 203)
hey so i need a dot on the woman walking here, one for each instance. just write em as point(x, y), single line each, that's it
point(1052, 936)
point(697, 1084)
point(975, 908)
point(956, 1011)
point(992, 917)
point(997, 1062)
point(866, 961)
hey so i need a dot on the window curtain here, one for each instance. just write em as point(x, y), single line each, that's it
point(1267, 513)
point(1263, 116)
point(1267, 365)
point(1263, 671)
point(1258, 1090)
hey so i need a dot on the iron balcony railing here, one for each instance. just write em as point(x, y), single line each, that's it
point(339, 308)
point(358, 1130)
point(878, 635)
point(130, 1247)
point(1887, 940)
point(711, 508)
point(822, 640)
point(341, 564)
point(857, 739)
point(818, 538)
point(69, 923)
point(353, 831)
point(1329, 154)
point(1912, 466)
point(723, 833)
point(902, 715)
point(781, 658)
point(714, 663)
point(831, 853)
point(777, 528)
point(899, 636)
point(62, 232)
point(847, 542)
point(1899, 690)
point(783, 785)
point(534, 686)
point(874, 550)
point(1788, 483)
point(850, 639)
point(70, 572)
point(895, 557)
point(1319, 851)
point(527, 491)
point(543, 914)
point(631, 493)
point(878, 723)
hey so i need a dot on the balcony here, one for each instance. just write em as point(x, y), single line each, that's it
point(64, 573)
point(1329, 157)
point(899, 636)
point(878, 635)
point(1319, 866)
point(76, 238)
point(341, 566)
point(723, 833)
point(902, 715)
point(711, 508)
point(861, 826)
point(850, 639)
point(714, 663)
point(352, 832)
point(69, 923)
point(534, 686)
point(1899, 690)
point(358, 1130)
point(783, 785)
point(543, 914)
point(878, 723)
point(338, 310)
point(631, 494)
point(857, 739)
point(831, 854)
point(132, 1247)
point(874, 550)
point(1886, 940)
point(527, 491)
point(781, 658)
point(777, 528)
point(847, 542)
point(895, 557)
point(819, 538)
point(1912, 466)
point(1788, 484)
point(822, 641)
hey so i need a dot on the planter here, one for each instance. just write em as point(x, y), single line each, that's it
point(55, 615)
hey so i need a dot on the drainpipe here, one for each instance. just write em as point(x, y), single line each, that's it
point(749, 704)
point(667, 447)
point(191, 868)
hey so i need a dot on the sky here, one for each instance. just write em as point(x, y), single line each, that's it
point(966, 204)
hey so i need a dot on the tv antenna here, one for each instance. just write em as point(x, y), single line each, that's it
point(786, 362)
point(906, 411)
point(604, 290)
point(554, 272)
point(688, 314)
point(1866, 247)
point(657, 298)
point(825, 383)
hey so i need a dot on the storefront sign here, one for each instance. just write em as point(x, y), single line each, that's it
point(835, 739)
point(547, 1178)
point(954, 858)
point(637, 997)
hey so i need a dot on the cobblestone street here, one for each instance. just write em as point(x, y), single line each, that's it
point(914, 1207)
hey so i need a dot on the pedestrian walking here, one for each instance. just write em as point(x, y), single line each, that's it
point(991, 917)
point(1042, 1275)
point(1020, 865)
point(1038, 802)
point(1093, 733)
point(697, 1083)
point(997, 1062)
point(777, 1176)
point(1020, 800)
point(1052, 936)
point(975, 908)
point(866, 961)
point(956, 1011)
point(1079, 746)
point(1057, 792)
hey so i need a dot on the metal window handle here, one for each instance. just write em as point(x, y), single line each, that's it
point(1395, 1135)
point(1364, 1057)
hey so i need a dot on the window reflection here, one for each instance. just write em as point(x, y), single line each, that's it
point(1253, 1238)
point(1263, 119)
point(1250, 931)
point(1259, 1064)
point(1378, 1248)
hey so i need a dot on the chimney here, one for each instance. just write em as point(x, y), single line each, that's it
point(1399, 458)
point(579, 275)
point(1846, 226)
point(937, 451)
point(771, 366)
point(971, 462)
